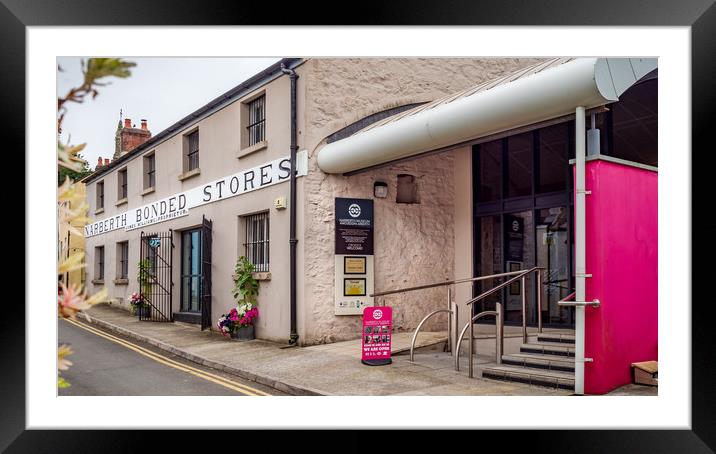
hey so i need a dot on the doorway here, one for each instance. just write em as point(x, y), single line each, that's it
point(522, 218)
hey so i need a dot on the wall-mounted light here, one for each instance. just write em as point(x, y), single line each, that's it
point(380, 189)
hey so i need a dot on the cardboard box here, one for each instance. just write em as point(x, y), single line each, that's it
point(646, 373)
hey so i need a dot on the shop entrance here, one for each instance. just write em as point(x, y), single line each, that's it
point(522, 219)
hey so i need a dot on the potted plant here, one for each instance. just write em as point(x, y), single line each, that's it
point(239, 322)
point(139, 305)
point(139, 302)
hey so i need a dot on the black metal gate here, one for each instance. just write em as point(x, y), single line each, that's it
point(205, 273)
point(155, 276)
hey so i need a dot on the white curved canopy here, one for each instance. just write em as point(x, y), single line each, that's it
point(521, 101)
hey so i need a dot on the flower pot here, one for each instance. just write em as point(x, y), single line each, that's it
point(245, 333)
point(143, 312)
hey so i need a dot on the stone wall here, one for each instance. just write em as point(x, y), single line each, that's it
point(414, 243)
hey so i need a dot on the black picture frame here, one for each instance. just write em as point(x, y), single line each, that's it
point(362, 279)
point(364, 259)
point(699, 15)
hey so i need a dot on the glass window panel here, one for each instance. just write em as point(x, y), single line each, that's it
point(519, 165)
point(489, 168)
point(489, 259)
point(553, 253)
point(553, 164)
point(635, 124)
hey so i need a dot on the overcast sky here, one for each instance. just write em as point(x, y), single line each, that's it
point(161, 90)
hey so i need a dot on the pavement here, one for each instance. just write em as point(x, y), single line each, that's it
point(318, 370)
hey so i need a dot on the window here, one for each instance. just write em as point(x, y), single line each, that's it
point(634, 123)
point(407, 189)
point(488, 171)
point(99, 263)
point(122, 260)
point(519, 165)
point(122, 184)
point(191, 271)
point(100, 195)
point(149, 171)
point(257, 120)
point(552, 163)
point(191, 151)
point(257, 240)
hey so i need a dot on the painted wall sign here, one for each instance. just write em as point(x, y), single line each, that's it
point(376, 335)
point(177, 205)
point(354, 226)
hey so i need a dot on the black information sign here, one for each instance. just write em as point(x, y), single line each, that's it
point(354, 226)
point(514, 227)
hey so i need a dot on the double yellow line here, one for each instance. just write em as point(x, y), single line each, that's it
point(238, 387)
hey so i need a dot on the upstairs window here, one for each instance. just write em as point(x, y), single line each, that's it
point(122, 184)
point(100, 195)
point(191, 151)
point(257, 120)
point(149, 171)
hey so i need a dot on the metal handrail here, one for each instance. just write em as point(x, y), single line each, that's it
point(522, 273)
point(442, 284)
point(452, 308)
point(498, 336)
point(415, 335)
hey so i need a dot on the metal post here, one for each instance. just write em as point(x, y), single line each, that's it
point(469, 350)
point(449, 327)
point(580, 249)
point(524, 311)
point(498, 328)
point(456, 327)
point(539, 301)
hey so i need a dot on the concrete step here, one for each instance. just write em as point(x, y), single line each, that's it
point(547, 378)
point(556, 338)
point(542, 362)
point(547, 348)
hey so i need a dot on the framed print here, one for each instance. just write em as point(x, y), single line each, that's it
point(515, 286)
point(354, 287)
point(354, 265)
point(287, 139)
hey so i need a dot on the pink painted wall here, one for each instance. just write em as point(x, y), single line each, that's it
point(622, 257)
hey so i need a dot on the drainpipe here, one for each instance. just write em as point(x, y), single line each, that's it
point(580, 249)
point(293, 339)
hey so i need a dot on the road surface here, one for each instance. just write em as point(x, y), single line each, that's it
point(109, 364)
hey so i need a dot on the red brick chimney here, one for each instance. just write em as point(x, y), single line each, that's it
point(131, 137)
point(99, 161)
point(106, 161)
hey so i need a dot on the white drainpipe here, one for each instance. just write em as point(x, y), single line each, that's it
point(580, 249)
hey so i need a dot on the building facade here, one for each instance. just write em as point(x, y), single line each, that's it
point(474, 193)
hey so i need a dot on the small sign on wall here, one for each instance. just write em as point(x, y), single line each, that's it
point(377, 335)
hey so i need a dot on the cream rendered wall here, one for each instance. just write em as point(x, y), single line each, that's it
point(219, 141)
point(414, 244)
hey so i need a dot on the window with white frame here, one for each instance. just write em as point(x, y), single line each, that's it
point(256, 245)
point(257, 120)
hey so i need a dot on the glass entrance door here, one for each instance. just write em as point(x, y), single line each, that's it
point(191, 271)
point(553, 253)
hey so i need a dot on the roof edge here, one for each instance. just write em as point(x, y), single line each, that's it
point(252, 83)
